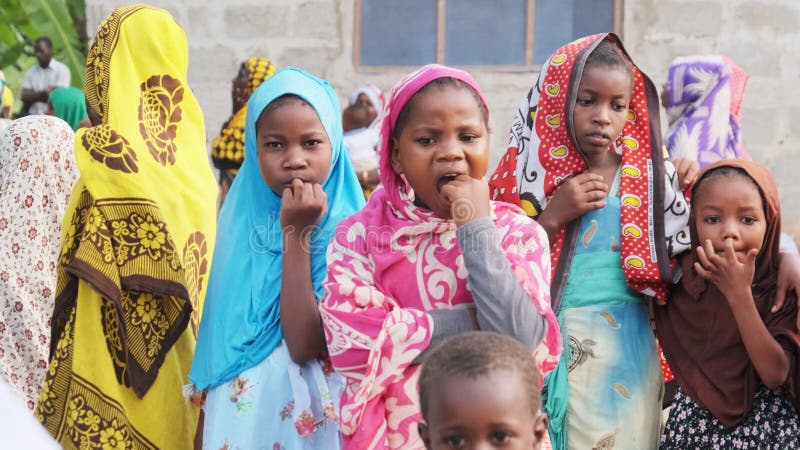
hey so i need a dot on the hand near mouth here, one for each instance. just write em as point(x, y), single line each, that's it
point(303, 205)
point(731, 275)
point(468, 198)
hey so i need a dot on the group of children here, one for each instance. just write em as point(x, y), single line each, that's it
point(329, 323)
point(431, 257)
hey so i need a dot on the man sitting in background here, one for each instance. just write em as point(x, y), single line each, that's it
point(43, 78)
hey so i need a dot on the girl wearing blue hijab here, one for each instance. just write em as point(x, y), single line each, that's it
point(258, 358)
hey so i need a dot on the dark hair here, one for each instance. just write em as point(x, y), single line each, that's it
point(440, 83)
point(725, 172)
point(280, 101)
point(46, 40)
point(608, 55)
point(473, 355)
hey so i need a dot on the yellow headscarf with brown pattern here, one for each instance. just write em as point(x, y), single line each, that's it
point(227, 150)
point(137, 241)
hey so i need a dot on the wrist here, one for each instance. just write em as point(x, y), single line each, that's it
point(297, 235)
point(463, 219)
point(740, 298)
point(549, 221)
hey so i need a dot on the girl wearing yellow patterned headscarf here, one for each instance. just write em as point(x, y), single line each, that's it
point(136, 246)
point(227, 151)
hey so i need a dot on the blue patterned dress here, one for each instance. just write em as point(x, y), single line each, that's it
point(606, 391)
point(276, 405)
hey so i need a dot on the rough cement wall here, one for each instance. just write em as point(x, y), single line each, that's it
point(317, 35)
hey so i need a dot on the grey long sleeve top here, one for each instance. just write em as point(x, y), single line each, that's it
point(502, 304)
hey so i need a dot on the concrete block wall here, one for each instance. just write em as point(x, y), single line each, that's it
point(317, 35)
point(760, 36)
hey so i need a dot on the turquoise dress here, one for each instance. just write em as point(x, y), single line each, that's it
point(606, 391)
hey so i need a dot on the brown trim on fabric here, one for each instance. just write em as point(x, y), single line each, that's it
point(98, 98)
point(140, 379)
point(144, 283)
point(99, 283)
point(64, 303)
point(561, 274)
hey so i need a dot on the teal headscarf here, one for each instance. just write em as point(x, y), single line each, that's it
point(69, 104)
point(241, 319)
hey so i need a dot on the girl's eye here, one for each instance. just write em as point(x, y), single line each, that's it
point(273, 145)
point(711, 219)
point(425, 141)
point(312, 142)
point(748, 220)
point(585, 101)
point(455, 441)
point(500, 437)
point(468, 138)
point(620, 107)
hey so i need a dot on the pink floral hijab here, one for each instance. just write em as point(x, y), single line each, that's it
point(388, 265)
point(37, 172)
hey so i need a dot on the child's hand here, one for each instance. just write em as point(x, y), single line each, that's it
point(788, 280)
point(304, 204)
point(687, 171)
point(576, 196)
point(468, 198)
point(731, 276)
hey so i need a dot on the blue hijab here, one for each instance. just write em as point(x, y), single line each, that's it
point(241, 324)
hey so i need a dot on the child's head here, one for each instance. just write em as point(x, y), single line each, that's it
point(439, 133)
point(365, 105)
point(292, 143)
point(727, 204)
point(481, 389)
point(603, 98)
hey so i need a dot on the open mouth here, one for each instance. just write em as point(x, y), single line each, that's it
point(444, 179)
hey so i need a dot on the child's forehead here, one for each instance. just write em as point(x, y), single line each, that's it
point(726, 189)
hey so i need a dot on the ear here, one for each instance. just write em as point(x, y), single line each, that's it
point(424, 433)
point(394, 156)
point(539, 430)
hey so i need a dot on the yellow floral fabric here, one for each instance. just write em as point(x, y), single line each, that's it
point(137, 241)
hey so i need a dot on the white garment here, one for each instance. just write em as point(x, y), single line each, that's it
point(360, 146)
point(40, 79)
point(18, 427)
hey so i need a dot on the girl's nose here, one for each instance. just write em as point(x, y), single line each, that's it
point(294, 158)
point(602, 116)
point(730, 230)
point(451, 150)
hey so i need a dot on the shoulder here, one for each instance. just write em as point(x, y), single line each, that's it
point(33, 71)
point(354, 229)
point(517, 226)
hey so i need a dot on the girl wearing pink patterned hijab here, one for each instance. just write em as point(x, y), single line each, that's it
point(430, 256)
